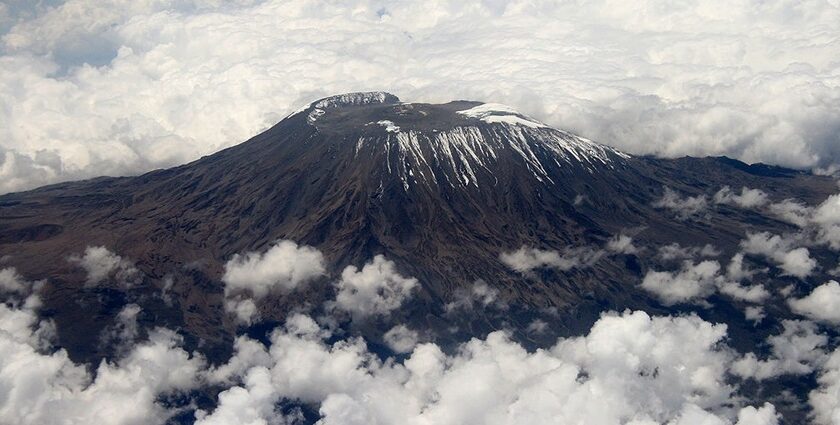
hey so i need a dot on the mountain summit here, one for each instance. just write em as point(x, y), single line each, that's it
point(459, 143)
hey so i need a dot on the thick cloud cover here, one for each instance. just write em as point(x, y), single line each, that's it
point(91, 87)
point(41, 385)
point(630, 368)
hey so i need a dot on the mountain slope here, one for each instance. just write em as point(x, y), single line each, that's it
point(441, 190)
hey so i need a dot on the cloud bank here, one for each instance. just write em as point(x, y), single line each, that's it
point(92, 87)
point(629, 368)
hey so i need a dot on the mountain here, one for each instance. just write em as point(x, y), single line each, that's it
point(442, 190)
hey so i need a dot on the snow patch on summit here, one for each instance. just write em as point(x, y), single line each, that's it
point(498, 113)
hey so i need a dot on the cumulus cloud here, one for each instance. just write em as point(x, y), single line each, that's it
point(693, 281)
point(282, 268)
point(101, 264)
point(479, 295)
point(798, 350)
point(795, 262)
point(375, 290)
point(41, 386)
point(675, 251)
point(754, 313)
point(537, 327)
point(527, 259)
point(825, 400)
point(827, 218)
point(629, 368)
point(248, 353)
point(622, 244)
point(125, 330)
point(736, 272)
point(823, 220)
point(764, 415)
point(250, 403)
point(792, 211)
point(822, 304)
point(115, 87)
point(13, 284)
point(753, 294)
point(684, 208)
point(748, 198)
point(696, 281)
point(401, 339)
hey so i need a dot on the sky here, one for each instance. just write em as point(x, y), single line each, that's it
point(118, 87)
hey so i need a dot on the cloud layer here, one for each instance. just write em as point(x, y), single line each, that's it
point(629, 368)
point(114, 87)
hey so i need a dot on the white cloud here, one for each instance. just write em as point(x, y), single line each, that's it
point(125, 330)
point(825, 400)
point(798, 350)
point(622, 244)
point(754, 313)
point(675, 251)
point(696, 281)
point(243, 309)
point(101, 264)
point(401, 339)
point(736, 269)
point(480, 295)
point(795, 262)
point(822, 304)
point(250, 403)
point(764, 415)
point(692, 282)
point(169, 81)
point(748, 198)
point(630, 368)
point(827, 218)
point(527, 259)
point(537, 327)
point(753, 294)
point(248, 353)
point(41, 387)
point(12, 283)
point(792, 212)
point(282, 268)
point(376, 289)
point(684, 208)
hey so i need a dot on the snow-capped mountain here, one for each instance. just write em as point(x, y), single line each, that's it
point(453, 194)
